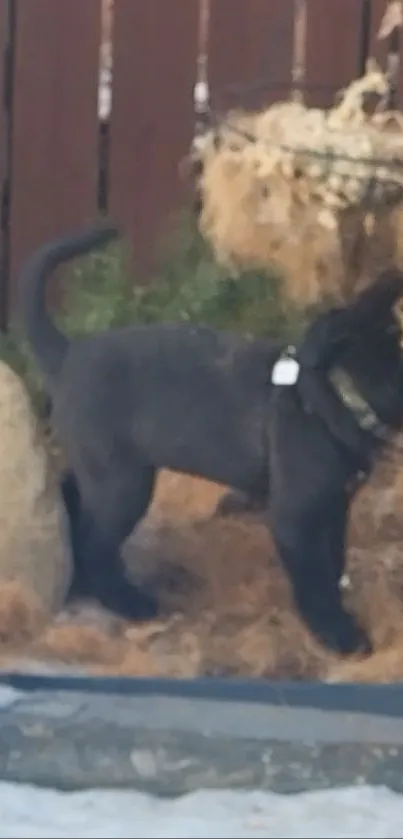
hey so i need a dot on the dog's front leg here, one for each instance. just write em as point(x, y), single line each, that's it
point(334, 535)
point(312, 553)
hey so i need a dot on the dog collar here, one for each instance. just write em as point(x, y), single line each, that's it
point(285, 373)
point(355, 402)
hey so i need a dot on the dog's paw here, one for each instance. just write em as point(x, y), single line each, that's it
point(347, 638)
point(132, 603)
point(146, 606)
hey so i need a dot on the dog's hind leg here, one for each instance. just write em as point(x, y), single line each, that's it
point(110, 508)
point(314, 567)
point(72, 502)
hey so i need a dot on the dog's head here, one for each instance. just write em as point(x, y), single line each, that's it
point(365, 339)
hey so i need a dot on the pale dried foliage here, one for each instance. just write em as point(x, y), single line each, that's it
point(230, 612)
point(328, 221)
point(392, 19)
point(22, 615)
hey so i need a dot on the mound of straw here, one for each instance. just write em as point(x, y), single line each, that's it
point(228, 608)
point(318, 193)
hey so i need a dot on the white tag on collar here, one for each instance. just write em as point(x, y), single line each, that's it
point(285, 372)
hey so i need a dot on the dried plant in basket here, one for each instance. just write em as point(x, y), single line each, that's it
point(317, 192)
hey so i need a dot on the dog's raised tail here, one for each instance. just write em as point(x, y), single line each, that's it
point(49, 345)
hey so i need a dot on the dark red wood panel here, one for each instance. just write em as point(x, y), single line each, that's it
point(3, 109)
point(333, 47)
point(250, 44)
point(155, 50)
point(55, 122)
point(4, 125)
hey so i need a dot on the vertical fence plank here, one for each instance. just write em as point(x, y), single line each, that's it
point(333, 48)
point(55, 122)
point(3, 103)
point(155, 50)
point(4, 128)
point(250, 45)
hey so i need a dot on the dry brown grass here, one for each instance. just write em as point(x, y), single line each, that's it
point(22, 616)
point(230, 612)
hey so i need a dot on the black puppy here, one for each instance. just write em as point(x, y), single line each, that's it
point(131, 401)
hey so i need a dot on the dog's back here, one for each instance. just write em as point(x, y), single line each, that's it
point(185, 397)
point(189, 398)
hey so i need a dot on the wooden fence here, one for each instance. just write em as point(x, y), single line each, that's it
point(50, 148)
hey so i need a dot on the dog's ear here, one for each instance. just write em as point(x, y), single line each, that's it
point(379, 298)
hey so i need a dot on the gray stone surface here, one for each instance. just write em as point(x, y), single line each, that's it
point(171, 745)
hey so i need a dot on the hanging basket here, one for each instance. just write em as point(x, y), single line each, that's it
point(317, 192)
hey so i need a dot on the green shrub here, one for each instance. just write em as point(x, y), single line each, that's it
point(187, 285)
